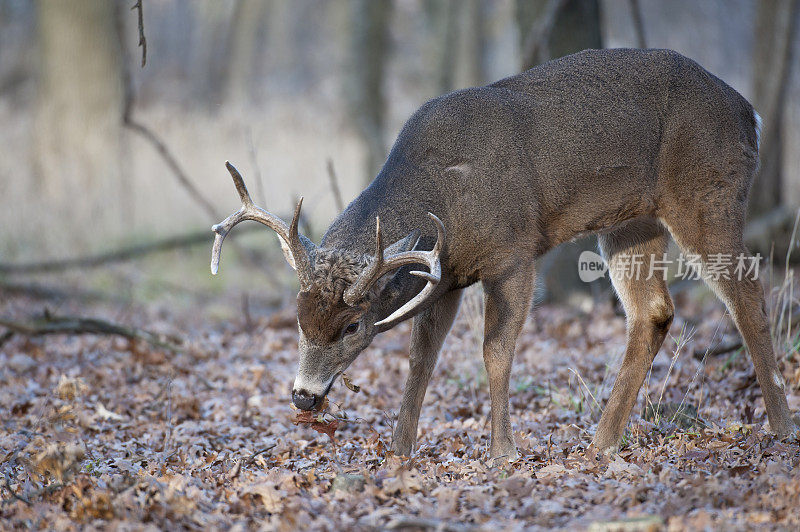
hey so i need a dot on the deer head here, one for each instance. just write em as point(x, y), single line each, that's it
point(343, 293)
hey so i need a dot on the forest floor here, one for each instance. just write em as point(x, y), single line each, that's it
point(106, 432)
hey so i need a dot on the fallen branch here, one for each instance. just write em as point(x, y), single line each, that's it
point(39, 291)
point(119, 255)
point(48, 324)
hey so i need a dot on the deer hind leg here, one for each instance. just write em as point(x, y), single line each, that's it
point(507, 300)
point(427, 336)
point(714, 235)
point(648, 311)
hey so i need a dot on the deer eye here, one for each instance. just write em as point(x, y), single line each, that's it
point(350, 329)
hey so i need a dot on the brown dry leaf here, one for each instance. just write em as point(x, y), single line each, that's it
point(349, 383)
point(271, 497)
point(58, 460)
point(106, 414)
point(69, 388)
point(317, 422)
point(618, 468)
point(405, 481)
point(551, 471)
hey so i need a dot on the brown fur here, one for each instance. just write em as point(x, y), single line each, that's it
point(633, 144)
point(321, 312)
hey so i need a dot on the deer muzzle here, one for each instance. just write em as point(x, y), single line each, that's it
point(309, 395)
point(306, 401)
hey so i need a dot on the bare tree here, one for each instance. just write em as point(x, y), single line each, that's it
point(369, 50)
point(554, 28)
point(246, 24)
point(776, 27)
point(461, 26)
point(549, 29)
point(78, 109)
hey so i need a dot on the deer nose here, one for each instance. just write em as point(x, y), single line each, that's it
point(304, 400)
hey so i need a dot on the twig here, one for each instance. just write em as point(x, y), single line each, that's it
point(337, 193)
point(173, 165)
point(14, 495)
point(32, 495)
point(168, 432)
point(162, 149)
point(253, 456)
point(119, 255)
point(638, 24)
point(48, 324)
point(142, 40)
point(720, 349)
point(737, 344)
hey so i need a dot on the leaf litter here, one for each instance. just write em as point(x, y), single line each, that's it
point(101, 432)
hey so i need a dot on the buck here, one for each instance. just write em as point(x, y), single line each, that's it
point(634, 145)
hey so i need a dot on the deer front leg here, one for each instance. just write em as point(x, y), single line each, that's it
point(427, 336)
point(507, 300)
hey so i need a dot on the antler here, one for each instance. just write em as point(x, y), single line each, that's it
point(250, 211)
point(382, 265)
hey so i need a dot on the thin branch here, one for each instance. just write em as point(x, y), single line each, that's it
point(252, 457)
point(173, 165)
point(721, 349)
point(142, 40)
point(162, 149)
point(638, 23)
point(48, 324)
point(334, 182)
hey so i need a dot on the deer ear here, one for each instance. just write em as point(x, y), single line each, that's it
point(404, 244)
point(407, 243)
point(287, 252)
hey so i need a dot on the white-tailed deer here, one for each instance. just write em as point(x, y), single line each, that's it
point(632, 144)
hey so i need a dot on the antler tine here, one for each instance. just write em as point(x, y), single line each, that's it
point(301, 260)
point(238, 182)
point(372, 272)
point(433, 277)
point(250, 211)
point(382, 265)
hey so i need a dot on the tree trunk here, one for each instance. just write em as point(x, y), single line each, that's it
point(550, 29)
point(460, 30)
point(248, 18)
point(370, 47)
point(78, 116)
point(776, 26)
point(553, 28)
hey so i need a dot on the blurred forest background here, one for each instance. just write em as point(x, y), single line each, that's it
point(136, 390)
point(100, 151)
